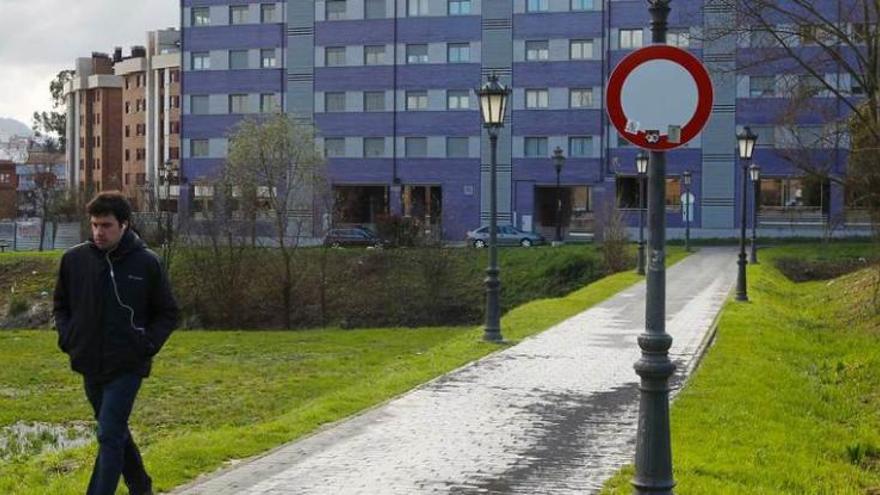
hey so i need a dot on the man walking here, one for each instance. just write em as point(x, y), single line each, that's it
point(114, 310)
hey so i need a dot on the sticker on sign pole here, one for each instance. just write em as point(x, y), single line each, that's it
point(659, 97)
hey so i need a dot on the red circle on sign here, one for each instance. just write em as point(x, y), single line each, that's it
point(681, 57)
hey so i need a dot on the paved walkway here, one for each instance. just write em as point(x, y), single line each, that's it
point(555, 414)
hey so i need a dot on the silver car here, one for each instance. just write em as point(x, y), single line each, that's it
point(508, 235)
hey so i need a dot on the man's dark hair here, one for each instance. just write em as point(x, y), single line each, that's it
point(110, 203)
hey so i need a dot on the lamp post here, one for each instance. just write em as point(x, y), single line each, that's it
point(642, 169)
point(169, 172)
point(686, 179)
point(755, 175)
point(493, 106)
point(653, 461)
point(558, 162)
point(746, 143)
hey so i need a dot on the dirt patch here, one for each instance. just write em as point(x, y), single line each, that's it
point(25, 292)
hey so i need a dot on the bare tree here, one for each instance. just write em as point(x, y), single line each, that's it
point(278, 158)
point(834, 47)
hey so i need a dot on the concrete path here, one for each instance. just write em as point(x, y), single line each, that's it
point(555, 414)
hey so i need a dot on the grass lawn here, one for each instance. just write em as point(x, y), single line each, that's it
point(787, 401)
point(217, 396)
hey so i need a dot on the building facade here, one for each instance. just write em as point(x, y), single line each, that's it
point(8, 186)
point(151, 116)
point(389, 85)
point(94, 133)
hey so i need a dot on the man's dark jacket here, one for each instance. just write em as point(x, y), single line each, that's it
point(94, 329)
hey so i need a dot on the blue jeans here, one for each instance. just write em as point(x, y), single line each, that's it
point(117, 453)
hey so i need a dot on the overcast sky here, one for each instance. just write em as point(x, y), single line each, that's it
point(39, 38)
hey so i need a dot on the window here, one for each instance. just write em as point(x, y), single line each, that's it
point(458, 52)
point(374, 54)
point(238, 14)
point(201, 60)
point(580, 98)
point(580, 49)
point(334, 147)
point(127, 131)
point(267, 58)
point(334, 56)
point(766, 135)
point(201, 16)
point(537, 98)
point(681, 39)
point(628, 192)
point(268, 103)
point(238, 59)
point(334, 102)
point(200, 104)
point(761, 39)
point(374, 101)
point(374, 9)
point(416, 147)
point(580, 146)
point(459, 7)
point(536, 147)
point(762, 86)
point(537, 50)
point(458, 99)
point(457, 147)
point(335, 10)
point(862, 32)
point(417, 54)
point(582, 5)
point(416, 7)
point(267, 13)
point(199, 148)
point(673, 194)
point(630, 38)
point(416, 100)
point(238, 104)
point(808, 86)
point(374, 147)
point(536, 5)
point(127, 107)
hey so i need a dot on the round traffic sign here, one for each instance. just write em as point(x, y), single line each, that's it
point(659, 97)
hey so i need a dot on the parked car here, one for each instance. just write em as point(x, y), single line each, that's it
point(353, 236)
point(508, 235)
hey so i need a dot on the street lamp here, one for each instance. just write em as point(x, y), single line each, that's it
point(755, 174)
point(686, 178)
point(746, 143)
point(493, 107)
point(642, 169)
point(653, 460)
point(168, 172)
point(558, 162)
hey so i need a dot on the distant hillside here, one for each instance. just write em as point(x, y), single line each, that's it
point(12, 127)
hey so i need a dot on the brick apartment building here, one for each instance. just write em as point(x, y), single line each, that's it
point(8, 186)
point(94, 133)
point(124, 118)
point(151, 114)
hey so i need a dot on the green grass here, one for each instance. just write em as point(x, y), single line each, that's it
point(217, 396)
point(787, 401)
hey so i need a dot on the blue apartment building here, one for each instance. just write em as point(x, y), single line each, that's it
point(389, 85)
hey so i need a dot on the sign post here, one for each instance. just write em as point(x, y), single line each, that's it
point(659, 98)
